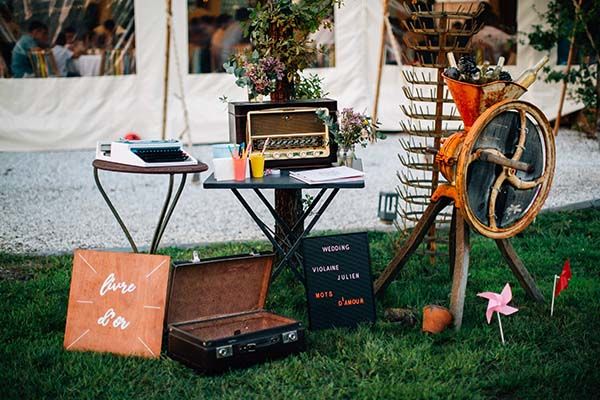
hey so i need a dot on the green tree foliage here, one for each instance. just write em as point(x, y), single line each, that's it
point(559, 22)
point(281, 29)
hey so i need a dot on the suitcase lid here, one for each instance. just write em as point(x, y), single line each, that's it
point(217, 287)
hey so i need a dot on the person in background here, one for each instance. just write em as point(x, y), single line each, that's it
point(70, 36)
point(200, 10)
point(324, 42)
point(200, 34)
point(8, 38)
point(491, 41)
point(63, 55)
point(233, 34)
point(216, 43)
point(106, 35)
point(36, 38)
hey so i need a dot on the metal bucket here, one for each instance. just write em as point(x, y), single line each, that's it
point(472, 100)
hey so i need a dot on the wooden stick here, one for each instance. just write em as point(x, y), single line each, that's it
point(500, 325)
point(553, 296)
point(381, 59)
point(166, 77)
point(489, 156)
point(569, 63)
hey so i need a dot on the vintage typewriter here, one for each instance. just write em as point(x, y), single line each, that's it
point(145, 153)
point(295, 134)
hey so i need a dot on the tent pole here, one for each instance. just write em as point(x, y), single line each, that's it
point(381, 59)
point(166, 77)
point(569, 64)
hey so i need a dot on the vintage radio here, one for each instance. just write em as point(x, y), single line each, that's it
point(216, 318)
point(297, 136)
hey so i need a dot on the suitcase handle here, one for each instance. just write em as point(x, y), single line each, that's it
point(251, 347)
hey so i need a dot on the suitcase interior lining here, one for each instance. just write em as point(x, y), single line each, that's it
point(214, 288)
point(235, 325)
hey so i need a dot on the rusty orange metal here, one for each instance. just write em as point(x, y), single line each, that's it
point(447, 157)
point(471, 100)
point(449, 191)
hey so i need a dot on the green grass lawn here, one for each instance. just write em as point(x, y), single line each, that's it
point(544, 357)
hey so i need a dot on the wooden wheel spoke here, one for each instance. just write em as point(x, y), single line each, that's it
point(525, 185)
point(522, 136)
point(493, 196)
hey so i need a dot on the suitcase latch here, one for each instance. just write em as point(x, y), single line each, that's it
point(224, 351)
point(289, 337)
point(248, 348)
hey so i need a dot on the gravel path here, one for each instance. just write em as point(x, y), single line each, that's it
point(49, 202)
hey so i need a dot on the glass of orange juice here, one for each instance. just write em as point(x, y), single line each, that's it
point(257, 163)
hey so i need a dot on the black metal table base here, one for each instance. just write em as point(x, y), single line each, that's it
point(165, 214)
point(293, 236)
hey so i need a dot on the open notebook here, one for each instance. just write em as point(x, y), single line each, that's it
point(328, 175)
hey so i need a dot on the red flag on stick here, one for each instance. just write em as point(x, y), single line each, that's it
point(561, 283)
point(563, 279)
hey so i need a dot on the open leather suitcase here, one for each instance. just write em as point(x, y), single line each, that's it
point(216, 318)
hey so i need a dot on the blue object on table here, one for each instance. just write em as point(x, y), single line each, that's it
point(222, 150)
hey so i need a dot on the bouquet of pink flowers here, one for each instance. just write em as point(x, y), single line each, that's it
point(351, 128)
point(259, 75)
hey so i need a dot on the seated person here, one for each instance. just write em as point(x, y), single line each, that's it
point(36, 38)
point(70, 36)
point(63, 56)
point(107, 34)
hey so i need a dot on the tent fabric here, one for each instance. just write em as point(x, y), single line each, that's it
point(72, 113)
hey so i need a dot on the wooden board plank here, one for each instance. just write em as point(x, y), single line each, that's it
point(402, 256)
point(518, 269)
point(117, 303)
point(461, 269)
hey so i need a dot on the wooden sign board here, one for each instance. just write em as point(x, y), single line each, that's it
point(339, 286)
point(117, 303)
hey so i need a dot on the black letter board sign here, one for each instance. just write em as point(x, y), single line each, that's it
point(339, 287)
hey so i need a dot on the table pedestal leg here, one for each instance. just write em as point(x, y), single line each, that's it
point(114, 211)
point(287, 244)
point(305, 232)
point(163, 220)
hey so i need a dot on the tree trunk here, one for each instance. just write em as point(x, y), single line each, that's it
point(288, 202)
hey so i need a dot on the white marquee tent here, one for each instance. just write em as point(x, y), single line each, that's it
point(72, 113)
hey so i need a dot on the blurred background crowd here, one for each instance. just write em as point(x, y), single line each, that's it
point(215, 33)
point(64, 38)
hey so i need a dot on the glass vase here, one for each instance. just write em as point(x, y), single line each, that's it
point(256, 99)
point(346, 156)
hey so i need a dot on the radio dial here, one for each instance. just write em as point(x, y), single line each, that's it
point(276, 155)
point(302, 154)
point(290, 155)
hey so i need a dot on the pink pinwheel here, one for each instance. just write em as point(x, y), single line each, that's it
point(498, 303)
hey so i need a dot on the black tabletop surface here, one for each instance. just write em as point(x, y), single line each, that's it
point(283, 181)
point(133, 169)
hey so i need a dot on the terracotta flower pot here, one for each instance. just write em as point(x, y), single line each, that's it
point(436, 318)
